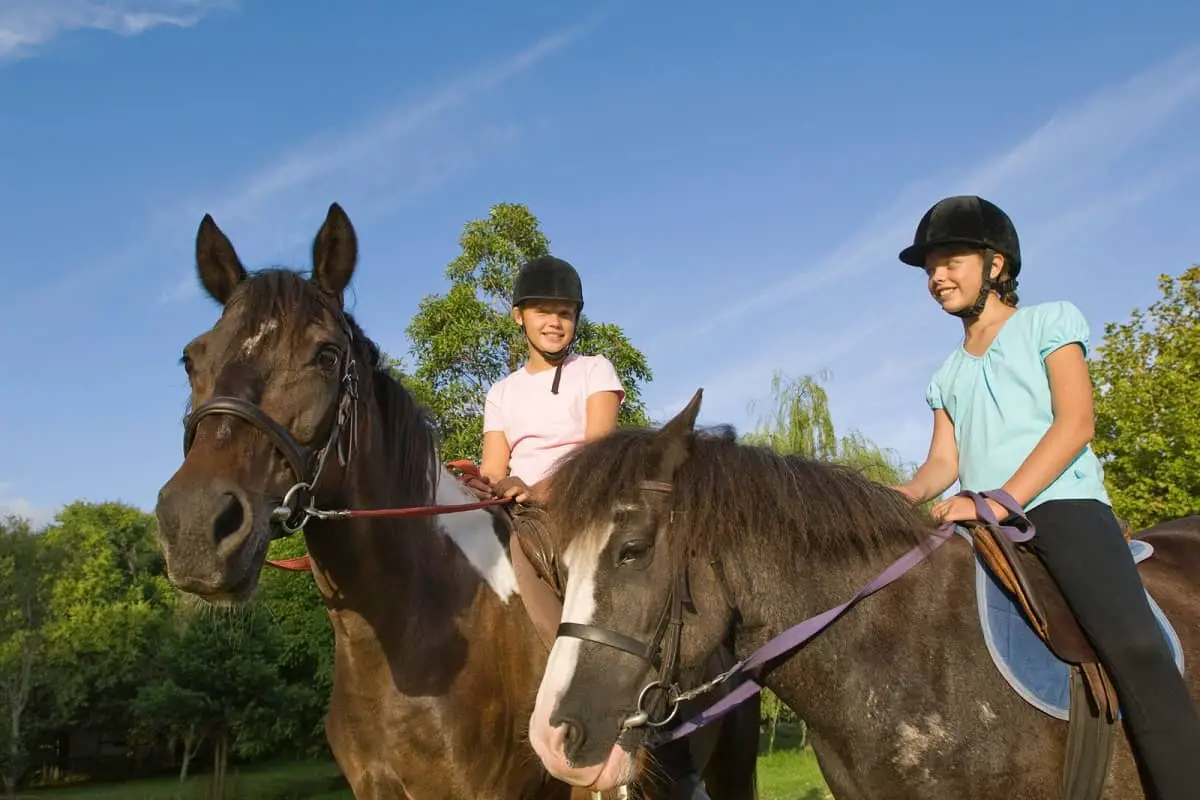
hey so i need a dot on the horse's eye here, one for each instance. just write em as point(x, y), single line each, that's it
point(632, 551)
point(328, 357)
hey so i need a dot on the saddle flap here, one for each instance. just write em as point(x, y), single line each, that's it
point(1023, 575)
point(536, 571)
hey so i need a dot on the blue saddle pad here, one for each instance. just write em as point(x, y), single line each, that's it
point(1033, 671)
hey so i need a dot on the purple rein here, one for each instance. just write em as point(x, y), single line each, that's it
point(797, 636)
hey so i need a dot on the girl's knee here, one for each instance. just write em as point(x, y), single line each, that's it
point(1141, 649)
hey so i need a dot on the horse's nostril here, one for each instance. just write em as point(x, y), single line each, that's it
point(229, 518)
point(573, 738)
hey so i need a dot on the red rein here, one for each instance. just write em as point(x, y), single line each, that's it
point(465, 467)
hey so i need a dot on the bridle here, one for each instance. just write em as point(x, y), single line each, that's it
point(295, 509)
point(663, 649)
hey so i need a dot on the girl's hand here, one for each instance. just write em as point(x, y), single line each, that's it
point(479, 484)
point(962, 509)
point(513, 487)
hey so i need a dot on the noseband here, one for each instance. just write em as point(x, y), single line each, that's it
point(293, 512)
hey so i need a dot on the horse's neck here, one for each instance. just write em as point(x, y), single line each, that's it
point(369, 558)
point(813, 679)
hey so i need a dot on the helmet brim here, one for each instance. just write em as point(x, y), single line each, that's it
point(915, 255)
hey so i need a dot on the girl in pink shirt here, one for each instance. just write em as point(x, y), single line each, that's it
point(549, 406)
point(557, 399)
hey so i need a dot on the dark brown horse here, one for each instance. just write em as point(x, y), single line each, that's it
point(900, 695)
point(436, 662)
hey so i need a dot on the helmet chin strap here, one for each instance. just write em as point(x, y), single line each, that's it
point(974, 310)
point(556, 358)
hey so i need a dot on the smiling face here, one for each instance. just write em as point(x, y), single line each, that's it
point(279, 350)
point(549, 324)
point(955, 276)
point(620, 575)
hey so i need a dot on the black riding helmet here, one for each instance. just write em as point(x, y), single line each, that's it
point(549, 278)
point(971, 221)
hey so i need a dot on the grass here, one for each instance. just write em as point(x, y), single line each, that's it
point(791, 775)
point(787, 774)
point(312, 780)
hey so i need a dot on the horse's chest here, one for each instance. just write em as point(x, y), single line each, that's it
point(441, 745)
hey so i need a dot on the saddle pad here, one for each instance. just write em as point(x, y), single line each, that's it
point(1031, 669)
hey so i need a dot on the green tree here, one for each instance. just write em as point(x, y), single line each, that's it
point(216, 678)
point(304, 659)
point(26, 562)
point(1146, 375)
point(109, 600)
point(798, 421)
point(463, 341)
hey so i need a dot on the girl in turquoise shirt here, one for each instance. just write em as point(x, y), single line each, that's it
point(1012, 409)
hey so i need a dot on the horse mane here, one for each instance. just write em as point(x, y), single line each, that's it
point(731, 492)
point(409, 455)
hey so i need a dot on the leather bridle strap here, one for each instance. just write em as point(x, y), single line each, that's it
point(297, 457)
point(618, 641)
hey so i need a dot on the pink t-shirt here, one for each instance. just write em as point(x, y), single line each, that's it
point(542, 427)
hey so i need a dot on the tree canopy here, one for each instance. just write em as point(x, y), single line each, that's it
point(464, 340)
point(1146, 375)
point(798, 421)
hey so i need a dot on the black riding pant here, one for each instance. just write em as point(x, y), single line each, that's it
point(1083, 548)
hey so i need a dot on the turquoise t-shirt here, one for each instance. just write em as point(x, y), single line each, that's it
point(1000, 403)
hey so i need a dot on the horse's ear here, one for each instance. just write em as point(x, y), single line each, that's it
point(672, 444)
point(335, 253)
point(217, 262)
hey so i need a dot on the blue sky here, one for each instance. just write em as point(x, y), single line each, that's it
point(734, 185)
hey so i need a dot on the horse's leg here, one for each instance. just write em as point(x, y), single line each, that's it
point(731, 772)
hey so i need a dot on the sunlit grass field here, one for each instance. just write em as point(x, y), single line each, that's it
point(788, 773)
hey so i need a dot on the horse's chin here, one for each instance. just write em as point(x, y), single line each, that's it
point(619, 769)
point(232, 584)
point(235, 596)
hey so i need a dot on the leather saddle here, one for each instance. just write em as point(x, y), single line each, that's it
point(1023, 575)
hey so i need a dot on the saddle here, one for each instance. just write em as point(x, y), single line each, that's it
point(536, 571)
point(1025, 577)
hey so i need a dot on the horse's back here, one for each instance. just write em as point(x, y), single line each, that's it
point(1172, 577)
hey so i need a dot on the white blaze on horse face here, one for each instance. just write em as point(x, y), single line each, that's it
point(474, 535)
point(581, 560)
point(252, 342)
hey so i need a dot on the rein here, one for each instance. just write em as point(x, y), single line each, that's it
point(665, 660)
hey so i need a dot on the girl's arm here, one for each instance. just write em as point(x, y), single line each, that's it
point(1071, 431)
point(940, 470)
point(493, 464)
point(601, 414)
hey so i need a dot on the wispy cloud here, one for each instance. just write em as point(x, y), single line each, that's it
point(25, 25)
point(372, 143)
point(1059, 169)
point(37, 516)
point(374, 166)
point(1071, 147)
point(404, 153)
